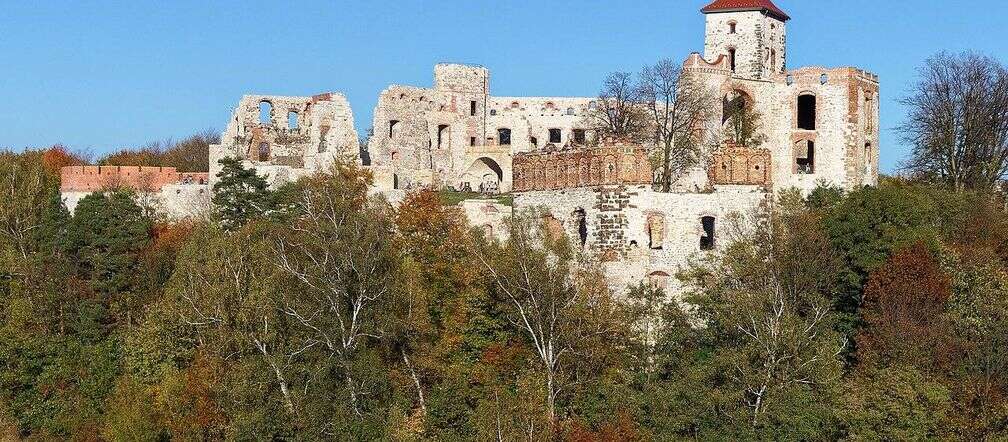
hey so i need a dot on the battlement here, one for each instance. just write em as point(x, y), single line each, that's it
point(610, 164)
point(93, 178)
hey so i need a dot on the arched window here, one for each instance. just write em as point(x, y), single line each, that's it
point(570, 111)
point(504, 136)
point(807, 112)
point(868, 157)
point(493, 112)
point(533, 141)
point(805, 157)
point(707, 238)
point(732, 27)
point(265, 112)
point(292, 120)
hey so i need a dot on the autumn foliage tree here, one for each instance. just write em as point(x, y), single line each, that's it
point(906, 315)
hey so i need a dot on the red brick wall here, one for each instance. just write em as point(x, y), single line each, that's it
point(92, 178)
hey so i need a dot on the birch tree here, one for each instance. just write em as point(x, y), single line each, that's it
point(551, 297)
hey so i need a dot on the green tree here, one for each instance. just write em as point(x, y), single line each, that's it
point(240, 194)
point(107, 235)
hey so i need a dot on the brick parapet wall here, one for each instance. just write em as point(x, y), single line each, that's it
point(93, 178)
point(587, 167)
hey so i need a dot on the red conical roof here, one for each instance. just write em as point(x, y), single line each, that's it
point(746, 5)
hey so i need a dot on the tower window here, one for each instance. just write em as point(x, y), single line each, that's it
point(472, 141)
point(807, 112)
point(533, 141)
point(707, 238)
point(472, 108)
point(731, 58)
point(732, 27)
point(292, 120)
point(656, 231)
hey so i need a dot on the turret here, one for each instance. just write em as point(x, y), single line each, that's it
point(750, 34)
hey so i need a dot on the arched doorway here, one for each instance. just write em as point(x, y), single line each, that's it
point(485, 175)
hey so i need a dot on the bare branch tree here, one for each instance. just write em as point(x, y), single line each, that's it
point(958, 121)
point(681, 108)
point(618, 112)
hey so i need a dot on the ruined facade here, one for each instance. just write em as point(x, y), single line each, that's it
point(455, 135)
point(285, 138)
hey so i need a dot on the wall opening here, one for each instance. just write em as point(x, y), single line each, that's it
point(554, 136)
point(579, 136)
point(805, 157)
point(868, 157)
point(264, 151)
point(443, 136)
point(732, 27)
point(472, 141)
point(656, 231)
point(391, 127)
point(504, 136)
point(581, 219)
point(533, 141)
point(395, 181)
point(733, 104)
point(707, 238)
point(731, 59)
point(773, 60)
point(807, 112)
point(292, 120)
point(570, 111)
point(472, 108)
point(265, 112)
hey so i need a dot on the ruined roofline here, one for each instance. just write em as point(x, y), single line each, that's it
point(323, 96)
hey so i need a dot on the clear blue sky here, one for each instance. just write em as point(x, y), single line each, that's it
point(102, 75)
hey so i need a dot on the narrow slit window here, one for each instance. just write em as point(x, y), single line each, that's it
point(707, 238)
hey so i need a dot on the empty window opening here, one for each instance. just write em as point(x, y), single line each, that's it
point(773, 60)
point(395, 181)
point(391, 127)
point(472, 141)
point(732, 105)
point(292, 120)
point(533, 141)
point(582, 225)
point(493, 112)
point(442, 136)
point(805, 157)
point(732, 27)
point(554, 136)
point(579, 136)
point(868, 157)
point(472, 108)
point(731, 59)
point(570, 111)
point(264, 151)
point(807, 112)
point(707, 238)
point(265, 112)
point(656, 232)
point(504, 136)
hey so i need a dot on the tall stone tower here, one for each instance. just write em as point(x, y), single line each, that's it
point(750, 33)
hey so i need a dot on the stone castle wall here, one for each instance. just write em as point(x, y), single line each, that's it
point(557, 170)
point(174, 194)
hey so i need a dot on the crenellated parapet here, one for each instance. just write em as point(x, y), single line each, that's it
point(606, 165)
point(141, 178)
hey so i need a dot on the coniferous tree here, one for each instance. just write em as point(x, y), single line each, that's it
point(240, 194)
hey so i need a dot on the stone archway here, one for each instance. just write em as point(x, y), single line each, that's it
point(484, 175)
